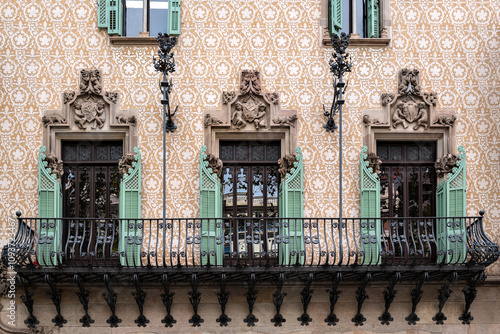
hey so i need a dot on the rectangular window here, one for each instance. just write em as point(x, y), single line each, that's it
point(360, 17)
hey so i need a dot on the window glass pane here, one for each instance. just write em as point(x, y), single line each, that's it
point(272, 192)
point(114, 192)
point(100, 192)
point(346, 13)
point(133, 18)
point(85, 152)
point(102, 152)
point(158, 16)
point(258, 193)
point(360, 26)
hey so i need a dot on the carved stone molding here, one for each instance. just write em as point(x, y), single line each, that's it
point(286, 163)
point(445, 164)
point(215, 163)
point(89, 113)
point(374, 162)
point(409, 113)
point(126, 163)
point(251, 113)
point(55, 165)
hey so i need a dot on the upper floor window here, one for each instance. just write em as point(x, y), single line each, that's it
point(134, 17)
point(361, 17)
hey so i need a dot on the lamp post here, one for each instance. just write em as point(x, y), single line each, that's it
point(165, 63)
point(339, 64)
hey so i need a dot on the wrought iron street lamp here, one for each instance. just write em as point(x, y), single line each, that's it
point(165, 63)
point(339, 64)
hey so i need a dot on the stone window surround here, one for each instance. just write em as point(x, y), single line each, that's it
point(385, 22)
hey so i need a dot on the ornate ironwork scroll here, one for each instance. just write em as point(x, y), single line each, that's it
point(389, 294)
point(83, 296)
point(31, 321)
point(361, 296)
point(251, 295)
point(110, 298)
point(140, 297)
point(470, 293)
point(305, 296)
point(334, 297)
point(444, 294)
point(168, 298)
point(194, 299)
point(223, 297)
point(55, 295)
point(416, 295)
point(278, 298)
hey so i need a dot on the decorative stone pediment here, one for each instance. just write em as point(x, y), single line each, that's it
point(89, 113)
point(250, 110)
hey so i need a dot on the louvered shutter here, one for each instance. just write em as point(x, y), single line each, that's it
point(174, 17)
point(451, 203)
point(373, 18)
point(210, 207)
point(334, 16)
point(292, 206)
point(114, 17)
point(101, 14)
point(49, 212)
point(370, 208)
point(131, 229)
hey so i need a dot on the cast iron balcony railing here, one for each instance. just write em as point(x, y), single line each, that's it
point(249, 243)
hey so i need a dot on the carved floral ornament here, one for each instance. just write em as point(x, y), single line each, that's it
point(409, 109)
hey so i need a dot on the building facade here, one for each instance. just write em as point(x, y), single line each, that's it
point(252, 82)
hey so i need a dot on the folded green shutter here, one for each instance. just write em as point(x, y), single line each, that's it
point(292, 206)
point(212, 246)
point(114, 16)
point(373, 18)
point(174, 17)
point(370, 208)
point(131, 231)
point(334, 16)
point(451, 203)
point(101, 14)
point(49, 212)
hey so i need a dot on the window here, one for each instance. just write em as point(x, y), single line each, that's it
point(133, 17)
point(361, 17)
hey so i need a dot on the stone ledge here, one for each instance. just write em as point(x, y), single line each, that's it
point(132, 41)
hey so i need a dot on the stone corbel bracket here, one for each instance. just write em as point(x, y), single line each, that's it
point(89, 113)
point(250, 114)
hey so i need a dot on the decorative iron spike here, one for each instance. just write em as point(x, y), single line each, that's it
point(55, 295)
point(83, 296)
point(361, 296)
point(167, 298)
point(110, 298)
point(444, 294)
point(305, 296)
point(278, 298)
point(195, 298)
point(251, 295)
point(140, 297)
point(470, 293)
point(334, 296)
point(389, 294)
point(416, 295)
point(27, 299)
point(223, 297)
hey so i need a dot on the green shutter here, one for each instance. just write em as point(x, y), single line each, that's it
point(370, 208)
point(174, 17)
point(49, 210)
point(292, 206)
point(101, 14)
point(130, 211)
point(212, 246)
point(114, 16)
point(373, 18)
point(334, 16)
point(451, 201)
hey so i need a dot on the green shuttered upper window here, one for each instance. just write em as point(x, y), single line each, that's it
point(131, 17)
point(354, 16)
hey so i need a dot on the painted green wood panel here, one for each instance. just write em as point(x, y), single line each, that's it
point(101, 13)
point(212, 246)
point(292, 206)
point(49, 210)
point(174, 17)
point(370, 208)
point(130, 210)
point(114, 17)
point(334, 16)
point(373, 18)
point(451, 197)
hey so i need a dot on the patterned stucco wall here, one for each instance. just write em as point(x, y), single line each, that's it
point(455, 44)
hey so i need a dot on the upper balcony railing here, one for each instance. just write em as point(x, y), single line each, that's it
point(249, 242)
